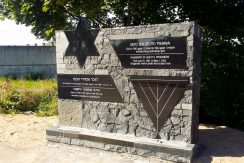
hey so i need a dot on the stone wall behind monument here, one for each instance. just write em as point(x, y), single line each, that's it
point(23, 60)
point(130, 117)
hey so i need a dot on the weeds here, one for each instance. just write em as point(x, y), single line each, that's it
point(18, 96)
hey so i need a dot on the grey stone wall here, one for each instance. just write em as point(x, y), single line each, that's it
point(22, 60)
point(130, 117)
point(166, 150)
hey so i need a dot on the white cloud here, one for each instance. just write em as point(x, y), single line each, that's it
point(13, 34)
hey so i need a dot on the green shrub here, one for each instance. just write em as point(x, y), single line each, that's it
point(19, 96)
point(47, 107)
point(35, 76)
point(11, 76)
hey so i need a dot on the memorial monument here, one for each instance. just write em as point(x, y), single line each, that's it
point(130, 89)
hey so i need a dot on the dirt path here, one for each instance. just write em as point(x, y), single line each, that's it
point(22, 139)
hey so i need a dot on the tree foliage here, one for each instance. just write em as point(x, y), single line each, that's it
point(222, 91)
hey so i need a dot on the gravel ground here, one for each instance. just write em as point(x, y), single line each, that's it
point(22, 139)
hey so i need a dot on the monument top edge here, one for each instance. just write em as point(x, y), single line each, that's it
point(140, 26)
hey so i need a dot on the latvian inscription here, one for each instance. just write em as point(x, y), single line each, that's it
point(88, 88)
point(163, 52)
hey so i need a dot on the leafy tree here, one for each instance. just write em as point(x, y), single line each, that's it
point(222, 92)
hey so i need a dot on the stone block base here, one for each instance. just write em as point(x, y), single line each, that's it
point(166, 150)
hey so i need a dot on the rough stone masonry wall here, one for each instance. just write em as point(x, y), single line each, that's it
point(22, 60)
point(130, 117)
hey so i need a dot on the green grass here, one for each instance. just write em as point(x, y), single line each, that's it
point(18, 96)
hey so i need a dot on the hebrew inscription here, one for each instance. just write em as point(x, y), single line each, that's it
point(88, 88)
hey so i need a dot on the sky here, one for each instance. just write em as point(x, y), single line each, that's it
point(13, 34)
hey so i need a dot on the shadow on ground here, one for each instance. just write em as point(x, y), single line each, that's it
point(218, 142)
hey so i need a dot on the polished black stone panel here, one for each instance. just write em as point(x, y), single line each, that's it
point(88, 88)
point(152, 53)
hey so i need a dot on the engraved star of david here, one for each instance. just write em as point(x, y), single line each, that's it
point(81, 43)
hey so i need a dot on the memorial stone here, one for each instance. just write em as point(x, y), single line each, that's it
point(130, 89)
